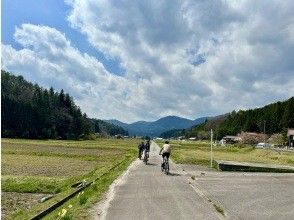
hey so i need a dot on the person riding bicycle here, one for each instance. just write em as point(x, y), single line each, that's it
point(165, 150)
point(141, 147)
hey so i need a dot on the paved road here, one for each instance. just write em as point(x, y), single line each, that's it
point(248, 195)
point(149, 194)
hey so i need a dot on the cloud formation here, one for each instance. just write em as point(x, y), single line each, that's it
point(49, 59)
point(186, 58)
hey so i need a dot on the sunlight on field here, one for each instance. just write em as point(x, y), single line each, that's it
point(196, 152)
point(31, 168)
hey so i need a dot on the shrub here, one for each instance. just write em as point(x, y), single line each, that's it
point(83, 199)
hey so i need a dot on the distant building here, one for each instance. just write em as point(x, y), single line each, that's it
point(252, 137)
point(290, 136)
point(230, 139)
point(192, 138)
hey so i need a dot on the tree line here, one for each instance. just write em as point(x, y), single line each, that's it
point(273, 118)
point(30, 111)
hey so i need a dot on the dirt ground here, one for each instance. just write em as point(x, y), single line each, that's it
point(12, 201)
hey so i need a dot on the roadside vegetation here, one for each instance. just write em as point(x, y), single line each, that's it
point(33, 169)
point(198, 153)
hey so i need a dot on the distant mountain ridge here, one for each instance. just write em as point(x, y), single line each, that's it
point(155, 128)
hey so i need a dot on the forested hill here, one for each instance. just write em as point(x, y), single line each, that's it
point(29, 111)
point(275, 117)
point(106, 128)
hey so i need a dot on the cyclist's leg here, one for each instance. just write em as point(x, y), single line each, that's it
point(164, 158)
point(162, 163)
point(167, 161)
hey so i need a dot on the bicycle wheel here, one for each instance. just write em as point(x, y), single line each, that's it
point(165, 164)
point(166, 168)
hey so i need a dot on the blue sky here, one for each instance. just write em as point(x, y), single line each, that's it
point(53, 14)
point(142, 60)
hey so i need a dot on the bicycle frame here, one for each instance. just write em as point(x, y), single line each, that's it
point(146, 156)
point(165, 165)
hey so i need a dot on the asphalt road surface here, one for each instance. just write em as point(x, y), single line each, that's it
point(147, 193)
point(248, 195)
point(144, 192)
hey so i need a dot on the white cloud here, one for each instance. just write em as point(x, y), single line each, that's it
point(49, 59)
point(245, 44)
point(189, 58)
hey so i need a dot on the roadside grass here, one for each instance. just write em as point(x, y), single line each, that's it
point(198, 153)
point(219, 209)
point(51, 167)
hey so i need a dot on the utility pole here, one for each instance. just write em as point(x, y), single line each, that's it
point(264, 131)
point(211, 137)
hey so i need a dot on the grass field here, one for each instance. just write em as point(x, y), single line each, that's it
point(197, 152)
point(34, 168)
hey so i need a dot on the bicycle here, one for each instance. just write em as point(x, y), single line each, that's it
point(165, 165)
point(146, 156)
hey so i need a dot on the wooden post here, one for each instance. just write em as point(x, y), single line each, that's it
point(211, 137)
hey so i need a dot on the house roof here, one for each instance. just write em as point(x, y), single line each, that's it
point(290, 131)
point(230, 137)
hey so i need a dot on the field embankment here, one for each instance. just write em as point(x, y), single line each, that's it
point(32, 169)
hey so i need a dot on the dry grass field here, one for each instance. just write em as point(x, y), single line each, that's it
point(198, 152)
point(34, 168)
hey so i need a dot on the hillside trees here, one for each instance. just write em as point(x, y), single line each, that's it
point(106, 128)
point(274, 118)
point(29, 111)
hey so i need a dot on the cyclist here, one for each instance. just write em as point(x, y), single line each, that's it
point(165, 150)
point(147, 147)
point(141, 147)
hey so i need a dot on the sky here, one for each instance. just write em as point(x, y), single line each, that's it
point(142, 60)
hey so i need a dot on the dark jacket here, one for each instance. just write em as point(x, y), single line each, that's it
point(141, 146)
point(147, 146)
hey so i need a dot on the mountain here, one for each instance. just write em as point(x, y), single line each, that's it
point(174, 133)
point(117, 123)
point(30, 111)
point(107, 128)
point(159, 126)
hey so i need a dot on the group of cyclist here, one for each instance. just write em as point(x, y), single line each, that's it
point(143, 147)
